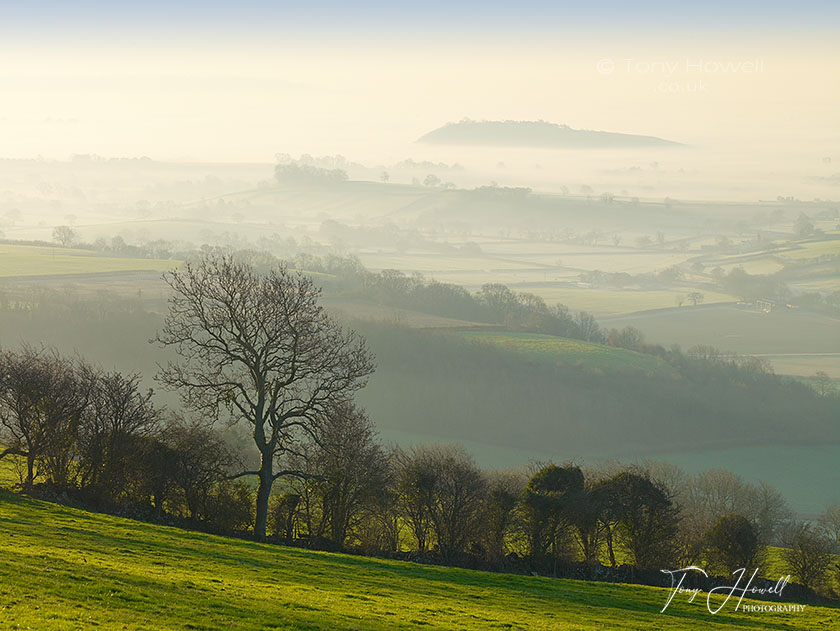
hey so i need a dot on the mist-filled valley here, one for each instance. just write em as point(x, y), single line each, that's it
point(446, 316)
point(86, 241)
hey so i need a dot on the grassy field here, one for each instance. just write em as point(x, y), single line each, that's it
point(28, 260)
point(761, 265)
point(550, 270)
point(368, 310)
point(68, 569)
point(784, 331)
point(813, 249)
point(608, 302)
point(822, 285)
point(429, 263)
point(570, 352)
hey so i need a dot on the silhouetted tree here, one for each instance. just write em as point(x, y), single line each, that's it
point(119, 413)
point(202, 460)
point(342, 471)
point(504, 490)
point(416, 480)
point(259, 347)
point(732, 543)
point(648, 520)
point(807, 554)
point(829, 524)
point(546, 505)
point(43, 397)
point(457, 499)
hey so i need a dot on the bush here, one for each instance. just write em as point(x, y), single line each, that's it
point(732, 543)
point(230, 507)
point(808, 556)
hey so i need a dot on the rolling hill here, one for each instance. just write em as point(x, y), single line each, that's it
point(65, 568)
point(535, 134)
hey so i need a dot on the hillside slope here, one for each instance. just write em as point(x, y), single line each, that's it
point(534, 134)
point(68, 569)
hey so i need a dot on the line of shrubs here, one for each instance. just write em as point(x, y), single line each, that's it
point(95, 438)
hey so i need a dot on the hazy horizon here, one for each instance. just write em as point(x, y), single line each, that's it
point(239, 85)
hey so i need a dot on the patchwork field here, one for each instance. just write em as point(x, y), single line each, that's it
point(790, 337)
point(552, 271)
point(611, 302)
point(68, 569)
point(366, 310)
point(813, 249)
point(28, 260)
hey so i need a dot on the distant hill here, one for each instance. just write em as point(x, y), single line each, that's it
point(535, 134)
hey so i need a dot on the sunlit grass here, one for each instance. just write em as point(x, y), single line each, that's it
point(570, 352)
point(68, 569)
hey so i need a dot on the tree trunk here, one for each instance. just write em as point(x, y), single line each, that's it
point(263, 493)
point(610, 546)
point(30, 469)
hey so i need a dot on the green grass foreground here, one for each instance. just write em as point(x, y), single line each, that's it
point(64, 568)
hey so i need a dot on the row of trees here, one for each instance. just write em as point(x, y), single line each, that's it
point(494, 303)
point(99, 436)
point(255, 350)
point(434, 500)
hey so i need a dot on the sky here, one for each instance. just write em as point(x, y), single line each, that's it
point(223, 81)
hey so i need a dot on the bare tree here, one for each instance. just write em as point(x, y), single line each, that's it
point(457, 499)
point(346, 470)
point(588, 326)
point(64, 235)
point(201, 461)
point(504, 490)
point(712, 494)
point(260, 348)
point(829, 524)
point(118, 413)
point(807, 554)
point(822, 383)
point(416, 480)
point(42, 399)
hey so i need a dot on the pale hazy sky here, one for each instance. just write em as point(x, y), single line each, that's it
point(218, 81)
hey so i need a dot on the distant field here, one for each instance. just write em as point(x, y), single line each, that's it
point(430, 263)
point(813, 249)
point(368, 310)
point(740, 330)
point(787, 336)
point(547, 269)
point(571, 352)
point(26, 260)
point(762, 265)
point(607, 302)
point(805, 365)
point(822, 285)
point(65, 568)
